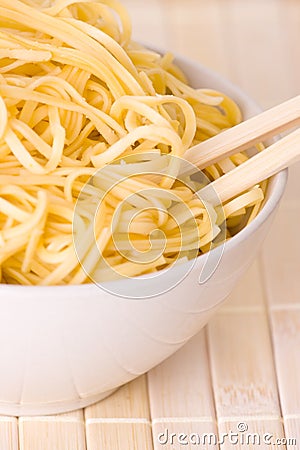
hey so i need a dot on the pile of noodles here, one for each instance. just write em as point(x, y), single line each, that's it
point(76, 94)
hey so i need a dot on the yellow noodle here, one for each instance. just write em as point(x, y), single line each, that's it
point(77, 94)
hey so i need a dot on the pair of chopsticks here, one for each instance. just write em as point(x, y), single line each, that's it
point(261, 166)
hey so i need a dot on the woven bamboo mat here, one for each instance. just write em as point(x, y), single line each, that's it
point(243, 370)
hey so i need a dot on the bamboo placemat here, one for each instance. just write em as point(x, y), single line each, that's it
point(244, 367)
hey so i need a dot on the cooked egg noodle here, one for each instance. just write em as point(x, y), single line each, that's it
point(76, 95)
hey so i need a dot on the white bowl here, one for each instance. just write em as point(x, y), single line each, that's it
point(62, 348)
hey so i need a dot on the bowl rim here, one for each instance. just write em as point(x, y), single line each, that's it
point(278, 183)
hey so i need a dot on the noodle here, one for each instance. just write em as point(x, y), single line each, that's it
point(76, 95)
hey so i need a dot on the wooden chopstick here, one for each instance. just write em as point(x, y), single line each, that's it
point(243, 136)
point(261, 166)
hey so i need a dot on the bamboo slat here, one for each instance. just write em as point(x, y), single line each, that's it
point(181, 386)
point(243, 373)
point(181, 394)
point(148, 24)
point(130, 401)
point(61, 432)
point(290, 23)
point(281, 260)
point(253, 36)
point(244, 378)
point(119, 436)
point(193, 24)
point(292, 432)
point(286, 336)
point(9, 439)
point(289, 12)
point(121, 421)
point(244, 300)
